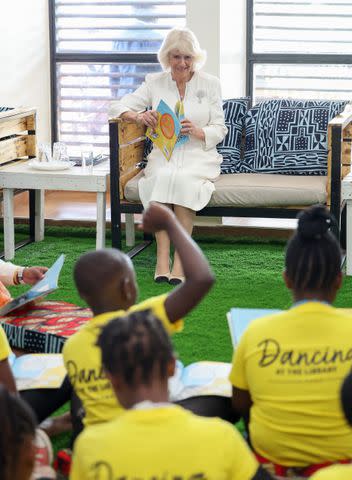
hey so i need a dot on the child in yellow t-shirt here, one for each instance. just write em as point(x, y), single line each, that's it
point(17, 433)
point(153, 438)
point(105, 279)
point(340, 472)
point(288, 367)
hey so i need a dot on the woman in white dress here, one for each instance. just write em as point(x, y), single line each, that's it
point(185, 182)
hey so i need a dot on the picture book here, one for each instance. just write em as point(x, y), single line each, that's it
point(200, 378)
point(38, 370)
point(180, 112)
point(167, 131)
point(239, 319)
point(45, 286)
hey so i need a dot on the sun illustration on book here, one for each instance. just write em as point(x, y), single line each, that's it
point(167, 125)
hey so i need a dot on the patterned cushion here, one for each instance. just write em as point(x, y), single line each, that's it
point(148, 147)
point(44, 327)
point(288, 136)
point(4, 109)
point(230, 148)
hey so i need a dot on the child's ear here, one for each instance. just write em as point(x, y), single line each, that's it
point(171, 367)
point(287, 280)
point(126, 289)
point(114, 380)
point(338, 281)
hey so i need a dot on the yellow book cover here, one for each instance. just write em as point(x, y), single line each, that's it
point(167, 131)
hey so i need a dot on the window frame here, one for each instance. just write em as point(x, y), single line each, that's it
point(281, 58)
point(81, 57)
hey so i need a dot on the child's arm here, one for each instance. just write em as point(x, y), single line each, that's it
point(6, 376)
point(241, 401)
point(198, 276)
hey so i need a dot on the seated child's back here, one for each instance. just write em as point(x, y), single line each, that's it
point(153, 439)
point(106, 280)
point(287, 368)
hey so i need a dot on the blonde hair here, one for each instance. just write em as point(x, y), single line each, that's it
point(184, 40)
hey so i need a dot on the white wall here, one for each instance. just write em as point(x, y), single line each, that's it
point(24, 59)
point(220, 26)
point(233, 47)
point(203, 18)
point(24, 51)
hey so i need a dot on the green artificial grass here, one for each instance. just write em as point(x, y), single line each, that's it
point(248, 274)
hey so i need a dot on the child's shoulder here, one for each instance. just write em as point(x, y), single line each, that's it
point(149, 303)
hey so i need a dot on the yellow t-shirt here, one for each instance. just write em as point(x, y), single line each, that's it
point(336, 472)
point(162, 442)
point(5, 349)
point(83, 361)
point(293, 364)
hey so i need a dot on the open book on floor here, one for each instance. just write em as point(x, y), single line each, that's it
point(207, 377)
point(200, 378)
point(38, 370)
point(47, 285)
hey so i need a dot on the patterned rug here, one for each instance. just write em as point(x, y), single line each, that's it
point(44, 327)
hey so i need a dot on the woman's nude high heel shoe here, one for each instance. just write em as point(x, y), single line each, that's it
point(161, 277)
point(176, 280)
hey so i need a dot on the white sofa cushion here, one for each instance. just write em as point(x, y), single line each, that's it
point(256, 190)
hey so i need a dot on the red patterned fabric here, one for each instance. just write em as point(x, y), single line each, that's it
point(45, 326)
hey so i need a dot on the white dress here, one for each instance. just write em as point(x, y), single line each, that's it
point(187, 178)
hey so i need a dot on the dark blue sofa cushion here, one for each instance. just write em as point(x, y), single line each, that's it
point(288, 136)
point(230, 148)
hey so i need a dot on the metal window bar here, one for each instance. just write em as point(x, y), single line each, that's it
point(90, 25)
point(273, 57)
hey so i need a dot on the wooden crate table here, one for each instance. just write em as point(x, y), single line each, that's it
point(17, 144)
point(21, 175)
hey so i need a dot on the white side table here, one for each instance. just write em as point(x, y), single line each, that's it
point(346, 193)
point(21, 175)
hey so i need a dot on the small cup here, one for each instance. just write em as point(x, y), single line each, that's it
point(87, 161)
point(59, 152)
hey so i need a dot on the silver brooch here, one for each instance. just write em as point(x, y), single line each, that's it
point(200, 95)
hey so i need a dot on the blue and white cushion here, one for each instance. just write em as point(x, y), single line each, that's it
point(288, 136)
point(230, 148)
point(148, 147)
point(4, 109)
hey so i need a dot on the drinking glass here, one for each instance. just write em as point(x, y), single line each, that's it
point(87, 161)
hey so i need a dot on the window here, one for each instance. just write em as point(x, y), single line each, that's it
point(101, 50)
point(299, 49)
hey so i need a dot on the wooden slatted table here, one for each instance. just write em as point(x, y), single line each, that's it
point(21, 175)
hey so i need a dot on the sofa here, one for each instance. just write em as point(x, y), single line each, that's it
point(278, 157)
